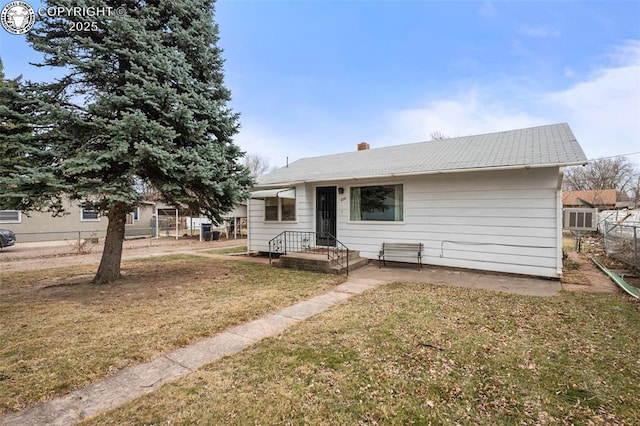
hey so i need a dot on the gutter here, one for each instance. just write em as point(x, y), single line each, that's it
point(423, 173)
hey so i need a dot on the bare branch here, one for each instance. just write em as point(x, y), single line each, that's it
point(257, 164)
point(611, 173)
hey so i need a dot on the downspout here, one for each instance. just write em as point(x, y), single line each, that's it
point(559, 222)
point(248, 225)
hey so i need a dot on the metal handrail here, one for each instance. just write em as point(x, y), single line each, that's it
point(305, 241)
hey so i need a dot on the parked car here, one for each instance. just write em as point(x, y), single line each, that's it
point(7, 238)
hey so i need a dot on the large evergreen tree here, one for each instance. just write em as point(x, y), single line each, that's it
point(13, 124)
point(27, 164)
point(142, 99)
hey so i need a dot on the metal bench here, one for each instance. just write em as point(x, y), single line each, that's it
point(394, 250)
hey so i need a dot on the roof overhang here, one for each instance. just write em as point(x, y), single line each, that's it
point(274, 193)
point(421, 173)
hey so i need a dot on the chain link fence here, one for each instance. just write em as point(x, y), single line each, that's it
point(79, 236)
point(165, 228)
point(621, 242)
point(73, 242)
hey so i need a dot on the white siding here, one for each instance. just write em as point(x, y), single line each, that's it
point(261, 231)
point(499, 221)
point(490, 220)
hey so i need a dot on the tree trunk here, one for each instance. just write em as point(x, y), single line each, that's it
point(109, 269)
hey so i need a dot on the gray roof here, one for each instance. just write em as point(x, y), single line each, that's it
point(544, 146)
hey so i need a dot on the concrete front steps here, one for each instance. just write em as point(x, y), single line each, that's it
point(316, 261)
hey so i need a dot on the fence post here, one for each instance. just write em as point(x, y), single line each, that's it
point(606, 228)
point(635, 247)
point(79, 241)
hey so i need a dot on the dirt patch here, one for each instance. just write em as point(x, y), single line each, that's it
point(572, 272)
point(140, 281)
point(587, 277)
point(593, 247)
point(580, 273)
point(24, 257)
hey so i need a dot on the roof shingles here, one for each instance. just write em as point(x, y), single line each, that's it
point(552, 145)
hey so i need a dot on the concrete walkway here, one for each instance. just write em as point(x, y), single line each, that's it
point(131, 383)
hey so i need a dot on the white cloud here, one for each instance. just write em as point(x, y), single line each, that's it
point(488, 10)
point(255, 138)
point(468, 114)
point(312, 133)
point(539, 31)
point(603, 110)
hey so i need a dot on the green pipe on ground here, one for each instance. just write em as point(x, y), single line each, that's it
point(633, 291)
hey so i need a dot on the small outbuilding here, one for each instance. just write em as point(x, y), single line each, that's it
point(489, 202)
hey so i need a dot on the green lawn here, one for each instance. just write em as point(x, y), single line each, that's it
point(421, 354)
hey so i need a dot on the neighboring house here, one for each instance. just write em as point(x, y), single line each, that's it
point(234, 223)
point(489, 202)
point(36, 226)
point(82, 223)
point(603, 199)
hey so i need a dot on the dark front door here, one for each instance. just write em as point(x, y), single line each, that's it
point(326, 215)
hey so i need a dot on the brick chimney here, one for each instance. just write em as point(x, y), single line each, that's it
point(362, 146)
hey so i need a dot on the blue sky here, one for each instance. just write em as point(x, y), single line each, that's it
point(317, 77)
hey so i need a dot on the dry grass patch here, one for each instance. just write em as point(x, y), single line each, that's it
point(59, 332)
point(421, 354)
point(229, 250)
point(571, 273)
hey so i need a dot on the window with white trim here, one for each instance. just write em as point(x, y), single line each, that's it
point(87, 215)
point(279, 209)
point(271, 209)
point(377, 203)
point(10, 216)
point(288, 209)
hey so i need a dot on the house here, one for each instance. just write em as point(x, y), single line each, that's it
point(603, 199)
point(77, 223)
point(489, 202)
point(149, 219)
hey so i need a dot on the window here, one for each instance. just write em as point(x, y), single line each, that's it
point(134, 216)
point(288, 208)
point(377, 203)
point(580, 219)
point(10, 216)
point(279, 209)
point(89, 215)
point(271, 209)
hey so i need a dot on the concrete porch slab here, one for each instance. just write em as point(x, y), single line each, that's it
point(532, 286)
